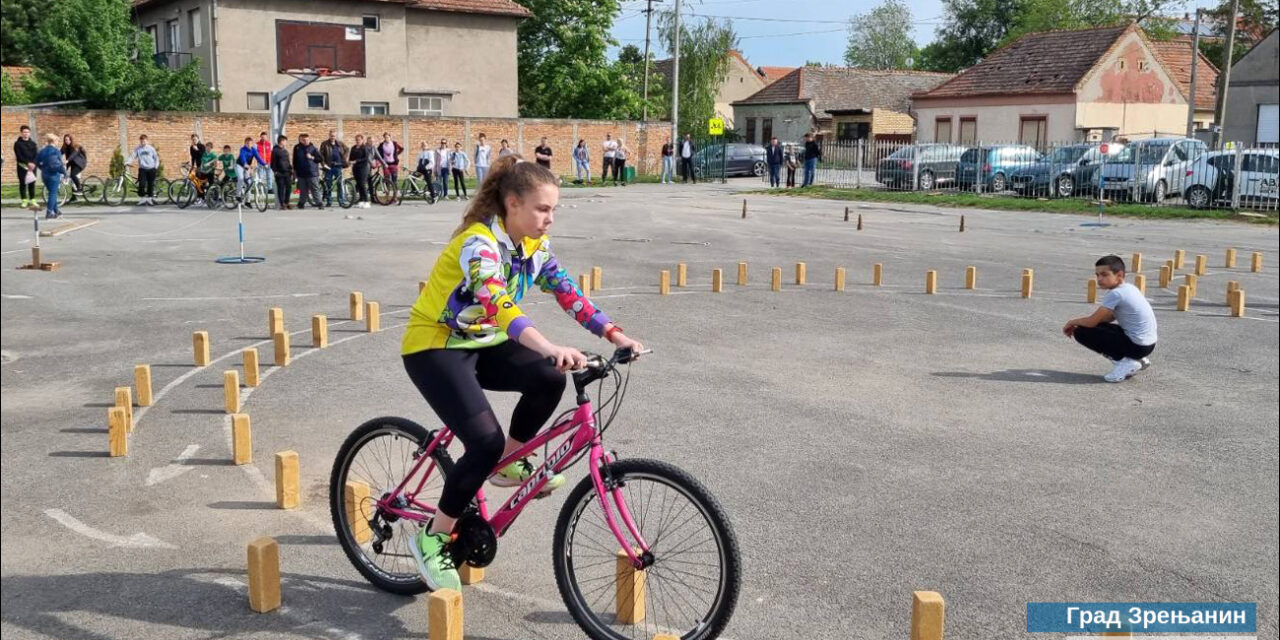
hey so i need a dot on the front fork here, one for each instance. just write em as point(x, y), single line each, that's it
point(606, 485)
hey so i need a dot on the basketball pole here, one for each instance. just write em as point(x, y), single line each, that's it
point(280, 102)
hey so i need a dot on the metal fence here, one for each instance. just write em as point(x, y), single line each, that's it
point(1157, 171)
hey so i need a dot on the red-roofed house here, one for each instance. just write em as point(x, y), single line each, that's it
point(773, 74)
point(1176, 56)
point(422, 57)
point(1058, 86)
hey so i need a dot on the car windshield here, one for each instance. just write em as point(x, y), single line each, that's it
point(905, 152)
point(1067, 155)
point(970, 155)
point(1147, 153)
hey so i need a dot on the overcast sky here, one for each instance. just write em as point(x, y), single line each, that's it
point(789, 32)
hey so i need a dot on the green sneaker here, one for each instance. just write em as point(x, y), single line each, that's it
point(434, 564)
point(514, 475)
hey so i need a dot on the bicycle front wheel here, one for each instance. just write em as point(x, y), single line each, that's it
point(113, 192)
point(164, 188)
point(375, 459)
point(259, 197)
point(384, 192)
point(690, 589)
point(92, 189)
point(347, 196)
point(184, 193)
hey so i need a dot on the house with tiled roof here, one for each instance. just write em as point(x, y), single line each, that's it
point(1176, 56)
point(740, 81)
point(1058, 86)
point(773, 74)
point(836, 103)
point(237, 42)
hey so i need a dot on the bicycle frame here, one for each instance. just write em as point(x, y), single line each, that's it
point(582, 424)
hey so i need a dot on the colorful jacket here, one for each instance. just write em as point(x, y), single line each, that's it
point(471, 299)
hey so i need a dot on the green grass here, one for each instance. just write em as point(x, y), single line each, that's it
point(1005, 203)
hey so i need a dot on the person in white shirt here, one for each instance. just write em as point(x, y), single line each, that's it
point(686, 159)
point(442, 167)
point(427, 169)
point(483, 150)
point(610, 150)
point(1123, 328)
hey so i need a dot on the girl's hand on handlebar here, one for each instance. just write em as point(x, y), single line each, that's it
point(566, 358)
point(621, 341)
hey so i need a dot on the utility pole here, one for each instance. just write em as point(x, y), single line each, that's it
point(675, 81)
point(1224, 79)
point(1195, 57)
point(648, 18)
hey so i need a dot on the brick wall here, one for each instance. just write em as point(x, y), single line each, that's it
point(886, 122)
point(102, 132)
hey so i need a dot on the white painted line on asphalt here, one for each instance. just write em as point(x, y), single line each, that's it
point(136, 541)
point(16, 296)
point(300, 622)
point(178, 467)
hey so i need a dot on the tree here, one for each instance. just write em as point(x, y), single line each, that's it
point(704, 63)
point(99, 61)
point(18, 20)
point(881, 38)
point(1257, 19)
point(10, 95)
point(563, 62)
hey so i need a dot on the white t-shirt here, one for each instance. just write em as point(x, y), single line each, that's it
point(482, 155)
point(1133, 313)
point(610, 148)
point(686, 149)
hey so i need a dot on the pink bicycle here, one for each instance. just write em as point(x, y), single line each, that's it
point(640, 547)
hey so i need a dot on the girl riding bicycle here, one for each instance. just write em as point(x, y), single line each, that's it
point(466, 334)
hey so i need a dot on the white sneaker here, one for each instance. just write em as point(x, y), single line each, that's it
point(1145, 362)
point(1123, 370)
point(151, 201)
point(142, 202)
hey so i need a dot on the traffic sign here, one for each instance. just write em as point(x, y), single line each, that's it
point(715, 126)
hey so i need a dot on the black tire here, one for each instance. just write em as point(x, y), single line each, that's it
point(999, 182)
point(162, 188)
point(114, 191)
point(927, 180)
point(1199, 197)
point(384, 192)
point(1064, 186)
point(759, 169)
point(347, 193)
point(184, 193)
point(259, 197)
point(1160, 193)
point(92, 189)
point(213, 195)
point(583, 497)
point(413, 434)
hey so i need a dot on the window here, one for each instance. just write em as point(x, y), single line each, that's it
point(1260, 163)
point(258, 100)
point(195, 28)
point(317, 101)
point(1268, 129)
point(374, 108)
point(155, 38)
point(372, 23)
point(175, 35)
point(968, 130)
point(1034, 131)
point(426, 105)
point(942, 130)
point(750, 136)
point(1120, 64)
point(1143, 65)
point(766, 128)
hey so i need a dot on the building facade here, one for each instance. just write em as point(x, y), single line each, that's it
point(1252, 114)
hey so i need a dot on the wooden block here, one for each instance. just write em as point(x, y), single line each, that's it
point(928, 615)
point(742, 273)
point(372, 317)
point(1091, 291)
point(288, 495)
point(142, 381)
point(281, 341)
point(840, 275)
point(319, 331)
point(422, 285)
point(1179, 258)
point(744, 209)
point(630, 589)
point(469, 574)
point(877, 274)
point(859, 222)
point(1140, 281)
point(275, 320)
point(584, 284)
point(664, 283)
point(1166, 274)
point(1184, 297)
point(124, 400)
point(961, 224)
point(846, 214)
point(357, 306)
point(444, 615)
point(1191, 280)
point(355, 498)
point(117, 432)
point(231, 390)
point(1202, 264)
point(1232, 285)
point(1135, 263)
point(1117, 634)
point(251, 377)
point(682, 274)
point(1028, 282)
point(717, 280)
point(931, 282)
point(597, 278)
point(264, 575)
point(241, 439)
point(1236, 300)
point(801, 272)
point(971, 277)
point(1256, 266)
point(200, 343)
point(665, 636)
point(776, 281)
point(1230, 262)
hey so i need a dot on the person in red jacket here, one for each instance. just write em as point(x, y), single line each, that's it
point(264, 170)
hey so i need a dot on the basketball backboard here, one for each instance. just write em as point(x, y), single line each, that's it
point(326, 48)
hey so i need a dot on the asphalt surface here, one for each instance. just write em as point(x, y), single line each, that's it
point(865, 444)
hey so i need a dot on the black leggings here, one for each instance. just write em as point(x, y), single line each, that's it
point(459, 182)
point(453, 382)
point(1109, 340)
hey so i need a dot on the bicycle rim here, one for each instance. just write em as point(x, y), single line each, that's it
point(691, 588)
point(185, 194)
point(380, 460)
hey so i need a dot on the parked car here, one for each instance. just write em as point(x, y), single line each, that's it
point(1065, 172)
point(743, 160)
point(1153, 168)
point(937, 165)
point(991, 166)
point(1259, 171)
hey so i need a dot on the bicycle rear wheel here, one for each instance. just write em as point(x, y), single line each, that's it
point(184, 193)
point(91, 189)
point(384, 192)
point(114, 191)
point(213, 196)
point(164, 190)
point(691, 587)
point(375, 459)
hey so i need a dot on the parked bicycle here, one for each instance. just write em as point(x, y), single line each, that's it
point(635, 515)
point(415, 186)
point(196, 187)
point(117, 188)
